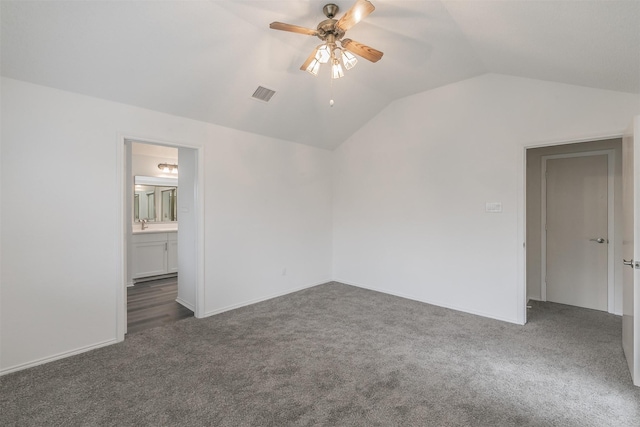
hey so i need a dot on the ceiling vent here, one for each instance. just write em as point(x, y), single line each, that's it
point(263, 94)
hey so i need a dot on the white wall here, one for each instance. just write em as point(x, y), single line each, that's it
point(408, 204)
point(410, 188)
point(267, 207)
point(269, 212)
point(187, 236)
point(147, 164)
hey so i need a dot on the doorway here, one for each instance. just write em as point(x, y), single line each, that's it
point(152, 250)
point(563, 266)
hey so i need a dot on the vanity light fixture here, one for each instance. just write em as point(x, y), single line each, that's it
point(168, 167)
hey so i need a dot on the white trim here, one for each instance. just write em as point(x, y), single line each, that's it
point(610, 153)
point(58, 356)
point(200, 229)
point(265, 298)
point(577, 140)
point(433, 302)
point(185, 304)
point(121, 310)
point(121, 246)
point(521, 249)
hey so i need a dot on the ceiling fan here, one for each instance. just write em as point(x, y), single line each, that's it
point(335, 49)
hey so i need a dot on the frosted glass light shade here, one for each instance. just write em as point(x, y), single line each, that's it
point(323, 54)
point(336, 71)
point(314, 67)
point(349, 60)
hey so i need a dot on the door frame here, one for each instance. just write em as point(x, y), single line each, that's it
point(125, 224)
point(610, 221)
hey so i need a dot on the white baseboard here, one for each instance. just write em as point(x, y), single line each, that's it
point(185, 304)
point(617, 313)
point(58, 356)
point(257, 300)
point(432, 302)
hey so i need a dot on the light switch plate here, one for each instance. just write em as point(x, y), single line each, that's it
point(493, 207)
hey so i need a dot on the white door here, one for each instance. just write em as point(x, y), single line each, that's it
point(631, 284)
point(577, 230)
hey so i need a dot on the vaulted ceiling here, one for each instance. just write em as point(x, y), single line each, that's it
point(204, 59)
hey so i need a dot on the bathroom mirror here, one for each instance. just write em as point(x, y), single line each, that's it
point(155, 199)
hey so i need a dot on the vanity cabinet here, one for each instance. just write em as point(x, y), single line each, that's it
point(154, 254)
point(172, 252)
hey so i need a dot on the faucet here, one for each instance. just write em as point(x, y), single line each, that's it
point(143, 223)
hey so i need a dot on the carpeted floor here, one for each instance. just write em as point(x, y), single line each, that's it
point(343, 356)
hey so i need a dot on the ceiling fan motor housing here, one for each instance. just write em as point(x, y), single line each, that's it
point(327, 28)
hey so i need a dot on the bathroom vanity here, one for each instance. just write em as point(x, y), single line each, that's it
point(154, 253)
point(153, 240)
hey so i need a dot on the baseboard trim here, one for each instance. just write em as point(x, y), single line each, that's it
point(152, 278)
point(616, 313)
point(58, 356)
point(185, 304)
point(257, 300)
point(432, 302)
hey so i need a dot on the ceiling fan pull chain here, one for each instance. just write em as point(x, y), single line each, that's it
point(331, 91)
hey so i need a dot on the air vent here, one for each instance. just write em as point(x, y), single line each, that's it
point(263, 94)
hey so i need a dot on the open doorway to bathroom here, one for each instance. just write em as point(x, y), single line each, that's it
point(160, 223)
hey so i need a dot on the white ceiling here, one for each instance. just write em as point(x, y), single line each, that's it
point(204, 59)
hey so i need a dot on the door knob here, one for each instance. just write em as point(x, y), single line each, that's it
point(599, 240)
point(629, 263)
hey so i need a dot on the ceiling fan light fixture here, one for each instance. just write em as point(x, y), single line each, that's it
point(313, 67)
point(335, 49)
point(323, 54)
point(348, 59)
point(336, 70)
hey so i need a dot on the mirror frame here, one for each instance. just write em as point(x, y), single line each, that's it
point(158, 181)
point(155, 181)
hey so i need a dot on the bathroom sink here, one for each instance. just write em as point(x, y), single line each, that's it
point(155, 230)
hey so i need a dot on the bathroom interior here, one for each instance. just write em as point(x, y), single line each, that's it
point(152, 242)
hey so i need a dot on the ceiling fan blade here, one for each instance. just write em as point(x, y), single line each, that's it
point(293, 28)
point(362, 50)
point(357, 13)
point(309, 60)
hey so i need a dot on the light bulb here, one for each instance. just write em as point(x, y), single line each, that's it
point(331, 103)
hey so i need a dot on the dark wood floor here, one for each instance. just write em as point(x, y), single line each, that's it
point(153, 303)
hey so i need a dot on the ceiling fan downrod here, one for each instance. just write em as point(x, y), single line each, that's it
point(330, 10)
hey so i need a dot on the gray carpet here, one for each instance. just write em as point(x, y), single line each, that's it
point(344, 356)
